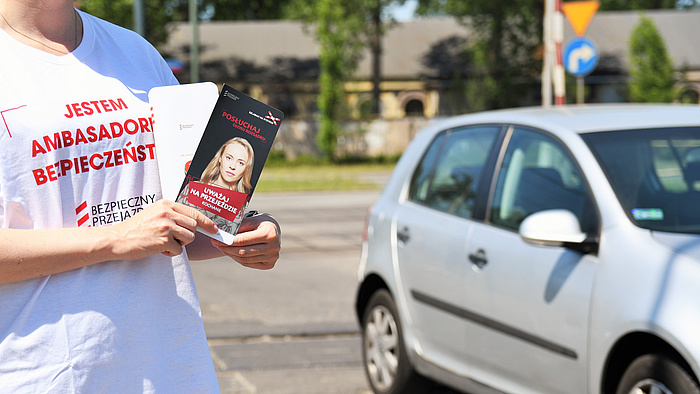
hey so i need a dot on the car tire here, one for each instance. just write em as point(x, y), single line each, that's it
point(656, 373)
point(386, 363)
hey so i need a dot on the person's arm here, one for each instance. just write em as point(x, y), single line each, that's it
point(163, 227)
point(256, 245)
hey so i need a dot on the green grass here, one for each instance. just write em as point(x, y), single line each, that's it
point(290, 177)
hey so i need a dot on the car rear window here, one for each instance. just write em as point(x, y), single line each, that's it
point(655, 174)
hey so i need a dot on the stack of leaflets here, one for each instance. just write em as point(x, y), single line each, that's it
point(215, 165)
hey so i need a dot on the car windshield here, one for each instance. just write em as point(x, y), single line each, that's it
point(655, 174)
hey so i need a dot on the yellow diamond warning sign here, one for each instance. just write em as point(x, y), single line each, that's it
point(580, 14)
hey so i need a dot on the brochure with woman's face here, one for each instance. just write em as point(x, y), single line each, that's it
point(229, 159)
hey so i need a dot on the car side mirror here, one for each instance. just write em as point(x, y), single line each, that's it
point(555, 227)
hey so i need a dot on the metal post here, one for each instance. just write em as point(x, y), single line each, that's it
point(139, 15)
point(559, 72)
point(579, 90)
point(547, 56)
point(194, 48)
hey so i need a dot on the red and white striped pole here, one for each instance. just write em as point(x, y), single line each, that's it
point(552, 68)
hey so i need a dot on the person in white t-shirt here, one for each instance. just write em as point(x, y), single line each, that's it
point(96, 289)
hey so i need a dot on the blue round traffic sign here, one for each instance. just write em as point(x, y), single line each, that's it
point(580, 56)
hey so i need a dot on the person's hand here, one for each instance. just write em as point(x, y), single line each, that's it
point(163, 227)
point(257, 243)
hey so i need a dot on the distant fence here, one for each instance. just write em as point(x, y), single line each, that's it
point(362, 138)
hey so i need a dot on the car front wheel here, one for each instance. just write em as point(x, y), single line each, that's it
point(386, 363)
point(656, 374)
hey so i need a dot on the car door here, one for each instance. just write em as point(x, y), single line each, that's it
point(537, 320)
point(433, 226)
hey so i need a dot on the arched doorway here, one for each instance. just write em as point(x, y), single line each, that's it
point(690, 96)
point(414, 107)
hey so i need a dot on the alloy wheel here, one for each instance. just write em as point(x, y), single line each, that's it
point(381, 347)
point(650, 386)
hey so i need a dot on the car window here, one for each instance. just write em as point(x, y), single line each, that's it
point(655, 174)
point(537, 174)
point(448, 174)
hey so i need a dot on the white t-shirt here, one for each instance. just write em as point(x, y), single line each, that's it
point(76, 149)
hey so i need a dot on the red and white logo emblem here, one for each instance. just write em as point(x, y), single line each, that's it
point(80, 210)
point(272, 118)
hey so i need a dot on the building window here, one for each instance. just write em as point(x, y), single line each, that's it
point(690, 96)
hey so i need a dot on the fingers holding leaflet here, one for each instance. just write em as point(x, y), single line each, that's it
point(199, 219)
point(257, 244)
point(163, 227)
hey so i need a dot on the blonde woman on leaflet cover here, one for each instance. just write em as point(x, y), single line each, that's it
point(96, 289)
point(232, 166)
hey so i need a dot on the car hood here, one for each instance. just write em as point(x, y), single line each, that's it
point(688, 244)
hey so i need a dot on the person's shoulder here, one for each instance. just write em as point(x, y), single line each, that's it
point(120, 40)
point(100, 23)
point(111, 29)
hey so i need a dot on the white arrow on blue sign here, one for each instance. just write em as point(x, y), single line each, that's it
point(580, 56)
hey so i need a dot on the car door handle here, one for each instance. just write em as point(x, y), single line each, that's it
point(478, 259)
point(403, 235)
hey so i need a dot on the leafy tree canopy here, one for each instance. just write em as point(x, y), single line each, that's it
point(503, 52)
point(651, 69)
point(227, 10)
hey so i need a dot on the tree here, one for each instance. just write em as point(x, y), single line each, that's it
point(343, 30)
point(371, 21)
point(503, 50)
point(228, 10)
point(651, 69)
point(337, 35)
point(374, 15)
point(508, 36)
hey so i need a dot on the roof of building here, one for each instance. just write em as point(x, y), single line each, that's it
point(424, 47)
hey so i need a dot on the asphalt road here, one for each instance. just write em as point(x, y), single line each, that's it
point(291, 329)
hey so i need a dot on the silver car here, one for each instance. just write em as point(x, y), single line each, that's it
point(538, 251)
